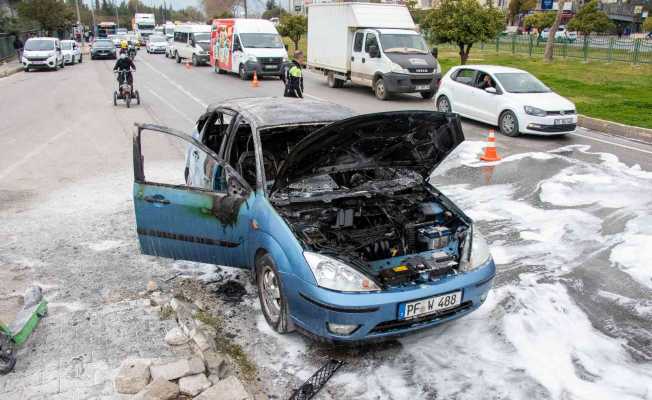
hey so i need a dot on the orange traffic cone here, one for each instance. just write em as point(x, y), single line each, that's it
point(188, 64)
point(490, 153)
point(254, 82)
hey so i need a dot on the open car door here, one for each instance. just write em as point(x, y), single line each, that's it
point(200, 221)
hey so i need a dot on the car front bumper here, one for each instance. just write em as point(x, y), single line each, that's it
point(49, 63)
point(548, 125)
point(376, 314)
point(157, 49)
point(411, 83)
point(104, 54)
point(264, 69)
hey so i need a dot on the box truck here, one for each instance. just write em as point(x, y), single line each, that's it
point(243, 46)
point(143, 25)
point(371, 44)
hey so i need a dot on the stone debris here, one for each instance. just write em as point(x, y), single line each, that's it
point(194, 384)
point(152, 286)
point(214, 378)
point(159, 389)
point(178, 369)
point(132, 377)
point(159, 298)
point(185, 315)
point(217, 364)
point(202, 341)
point(228, 389)
point(176, 337)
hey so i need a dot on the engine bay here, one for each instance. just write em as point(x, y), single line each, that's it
point(404, 235)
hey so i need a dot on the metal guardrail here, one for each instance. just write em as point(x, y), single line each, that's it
point(604, 48)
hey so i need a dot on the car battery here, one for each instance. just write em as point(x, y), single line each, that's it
point(434, 237)
point(402, 273)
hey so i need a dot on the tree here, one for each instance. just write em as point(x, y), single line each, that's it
point(276, 12)
point(52, 15)
point(647, 24)
point(216, 7)
point(540, 21)
point(463, 22)
point(590, 19)
point(550, 43)
point(517, 7)
point(270, 5)
point(294, 27)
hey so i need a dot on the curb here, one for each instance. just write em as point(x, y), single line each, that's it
point(616, 129)
point(4, 72)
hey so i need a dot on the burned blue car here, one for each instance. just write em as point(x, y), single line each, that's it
point(333, 214)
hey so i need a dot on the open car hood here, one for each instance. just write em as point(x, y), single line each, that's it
point(416, 140)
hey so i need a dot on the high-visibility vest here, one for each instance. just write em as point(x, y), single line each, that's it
point(295, 72)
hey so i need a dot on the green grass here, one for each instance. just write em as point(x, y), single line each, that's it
point(619, 92)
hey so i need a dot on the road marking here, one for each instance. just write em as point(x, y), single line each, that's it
point(612, 143)
point(10, 169)
point(167, 103)
point(314, 97)
point(176, 85)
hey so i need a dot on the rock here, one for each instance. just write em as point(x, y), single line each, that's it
point(151, 286)
point(132, 377)
point(176, 337)
point(178, 369)
point(194, 384)
point(214, 378)
point(201, 340)
point(228, 389)
point(217, 364)
point(185, 315)
point(147, 302)
point(159, 389)
point(159, 298)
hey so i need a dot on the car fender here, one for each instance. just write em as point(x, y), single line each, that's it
point(509, 106)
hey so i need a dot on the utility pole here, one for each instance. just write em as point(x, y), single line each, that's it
point(245, 7)
point(117, 18)
point(79, 21)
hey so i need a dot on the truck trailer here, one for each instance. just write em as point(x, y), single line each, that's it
point(371, 44)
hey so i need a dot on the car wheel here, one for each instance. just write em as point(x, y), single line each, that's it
point(178, 59)
point(443, 104)
point(379, 89)
point(26, 69)
point(63, 63)
point(508, 124)
point(194, 60)
point(427, 95)
point(115, 98)
point(242, 72)
point(273, 301)
point(333, 82)
point(81, 58)
point(137, 97)
point(128, 100)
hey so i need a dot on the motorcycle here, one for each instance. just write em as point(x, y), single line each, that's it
point(125, 91)
point(131, 52)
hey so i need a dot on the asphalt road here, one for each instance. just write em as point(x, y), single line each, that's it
point(568, 219)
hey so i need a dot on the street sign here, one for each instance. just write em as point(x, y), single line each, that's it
point(546, 4)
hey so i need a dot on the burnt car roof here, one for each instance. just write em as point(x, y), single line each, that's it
point(279, 111)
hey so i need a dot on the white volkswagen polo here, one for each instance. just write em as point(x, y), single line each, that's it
point(509, 98)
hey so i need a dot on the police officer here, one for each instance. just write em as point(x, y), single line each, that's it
point(294, 77)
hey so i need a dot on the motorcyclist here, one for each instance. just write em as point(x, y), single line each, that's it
point(125, 63)
point(124, 45)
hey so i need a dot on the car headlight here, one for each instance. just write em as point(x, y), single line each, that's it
point(534, 111)
point(285, 59)
point(474, 252)
point(252, 58)
point(398, 69)
point(335, 275)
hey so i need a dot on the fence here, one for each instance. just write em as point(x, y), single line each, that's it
point(604, 48)
point(7, 44)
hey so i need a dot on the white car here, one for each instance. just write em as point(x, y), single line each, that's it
point(509, 98)
point(156, 44)
point(42, 52)
point(562, 34)
point(169, 48)
point(71, 52)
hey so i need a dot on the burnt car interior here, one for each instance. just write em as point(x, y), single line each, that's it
point(387, 221)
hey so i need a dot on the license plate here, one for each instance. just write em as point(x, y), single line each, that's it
point(422, 87)
point(270, 66)
point(429, 306)
point(563, 121)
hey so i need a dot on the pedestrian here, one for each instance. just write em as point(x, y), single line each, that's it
point(294, 77)
point(18, 46)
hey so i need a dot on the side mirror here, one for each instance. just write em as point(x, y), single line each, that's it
point(491, 90)
point(434, 51)
point(374, 52)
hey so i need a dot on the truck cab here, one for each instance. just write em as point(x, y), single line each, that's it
point(393, 61)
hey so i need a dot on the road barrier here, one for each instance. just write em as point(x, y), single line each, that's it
point(603, 48)
point(490, 153)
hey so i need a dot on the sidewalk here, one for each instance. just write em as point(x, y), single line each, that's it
point(10, 67)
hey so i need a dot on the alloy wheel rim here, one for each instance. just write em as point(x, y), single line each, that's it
point(443, 105)
point(271, 293)
point(508, 123)
point(380, 89)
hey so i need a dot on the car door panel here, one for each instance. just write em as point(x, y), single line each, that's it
point(357, 54)
point(191, 223)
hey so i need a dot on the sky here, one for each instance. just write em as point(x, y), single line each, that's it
point(176, 4)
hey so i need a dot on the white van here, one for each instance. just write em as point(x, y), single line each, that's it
point(42, 52)
point(191, 42)
point(243, 46)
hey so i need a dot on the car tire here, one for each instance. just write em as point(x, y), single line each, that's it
point(333, 82)
point(194, 61)
point(379, 89)
point(128, 100)
point(137, 97)
point(26, 69)
point(81, 58)
point(115, 98)
point(176, 56)
point(508, 124)
point(273, 301)
point(444, 105)
point(63, 63)
point(427, 95)
point(242, 72)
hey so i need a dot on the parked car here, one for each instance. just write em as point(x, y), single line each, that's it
point(562, 34)
point(333, 213)
point(191, 42)
point(510, 98)
point(156, 44)
point(103, 48)
point(71, 51)
point(169, 48)
point(42, 53)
